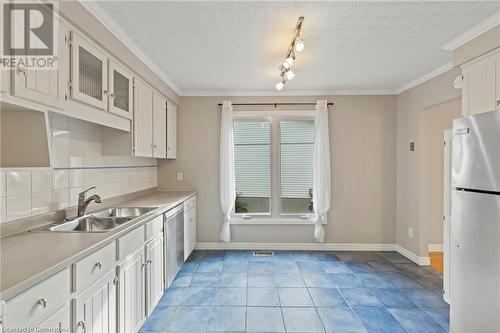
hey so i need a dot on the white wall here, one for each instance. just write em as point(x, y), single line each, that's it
point(363, 152)
point(77, 163)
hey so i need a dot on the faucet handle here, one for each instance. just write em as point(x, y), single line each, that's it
point(82, 194)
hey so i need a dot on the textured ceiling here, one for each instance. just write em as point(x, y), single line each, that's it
point(226, 47)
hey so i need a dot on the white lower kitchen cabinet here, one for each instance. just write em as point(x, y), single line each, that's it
point(131, 295)
point(154, 272)
point(58, 322)
point(189, 226)
point(94, 310)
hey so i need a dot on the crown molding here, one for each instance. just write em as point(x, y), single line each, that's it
point(472, 33)
point(289, 93)
point(426, 77)
point(95, 9)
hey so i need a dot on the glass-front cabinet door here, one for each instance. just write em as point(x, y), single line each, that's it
point(120, 90)
point(88, 73)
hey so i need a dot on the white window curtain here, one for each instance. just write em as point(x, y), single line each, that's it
point(321, 170)
point(227, 183)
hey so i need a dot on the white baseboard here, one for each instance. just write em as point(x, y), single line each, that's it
point(436, 248)
point(421, 261)
point(296, 246)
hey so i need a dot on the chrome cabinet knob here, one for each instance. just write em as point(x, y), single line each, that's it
point(42, 302)
point(149, 261)
point(81, 324)
point(21, 70)
point(498, 102)
point(98, 265)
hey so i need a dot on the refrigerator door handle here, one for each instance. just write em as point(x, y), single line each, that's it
point(461, 131)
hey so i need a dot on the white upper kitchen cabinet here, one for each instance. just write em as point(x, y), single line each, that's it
point(120, 90)
point(154, 272)
point(171, 130)
point(47, 87)
point(95, 309)
point(481, 88)
point(143, 119)
point(159, 126)
point(89, 72)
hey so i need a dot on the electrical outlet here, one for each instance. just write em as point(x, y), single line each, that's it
point(180, 176)
point(410, 232)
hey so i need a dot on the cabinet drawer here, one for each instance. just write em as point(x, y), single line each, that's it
point(154, 227)
point(129, 242)
point(189, 203)
point(38, 302)
point(93, 266)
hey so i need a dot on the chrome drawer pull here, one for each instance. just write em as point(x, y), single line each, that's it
point(98, 265)
point(42, 302)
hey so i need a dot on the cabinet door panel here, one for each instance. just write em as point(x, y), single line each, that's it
point(143, 119)
point(131, 297)
point(159, 126)
point(120, 87)
point(58, 322)
point(95, 309)
point(45, 86)
point(89, 67)
point(171, 130)
point(479, 91)
point(154, 279)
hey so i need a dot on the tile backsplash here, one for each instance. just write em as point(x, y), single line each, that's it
point(77, 163)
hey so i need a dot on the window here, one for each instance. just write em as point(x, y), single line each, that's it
point(296, 167)
point(273, 167)
point(252, 163)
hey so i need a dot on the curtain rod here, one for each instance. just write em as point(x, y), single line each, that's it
point(275, 104)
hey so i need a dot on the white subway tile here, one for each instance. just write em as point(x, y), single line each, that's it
point(41, 180)
point(89, 178)
point(18, 182)
point(75, 158)
point(76, 178)
point(60, 157)
point(3, 209)
point(3, 184)
point(61, 179)
point(60, 199)
point(59, 121)
point(41, 202)
point(18, 206)
point(60, 138)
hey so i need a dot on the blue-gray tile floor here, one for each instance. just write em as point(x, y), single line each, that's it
point(302, 291)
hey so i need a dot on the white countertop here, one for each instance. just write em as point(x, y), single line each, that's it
point(27, 258)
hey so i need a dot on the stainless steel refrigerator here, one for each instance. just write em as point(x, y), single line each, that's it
point(475, 225)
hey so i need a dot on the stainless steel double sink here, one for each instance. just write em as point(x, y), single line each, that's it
point(100, 221)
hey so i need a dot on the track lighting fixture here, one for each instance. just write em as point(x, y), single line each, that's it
point(299, 44)
point(296, 45)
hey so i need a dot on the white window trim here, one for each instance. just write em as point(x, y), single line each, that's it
point(267, 218)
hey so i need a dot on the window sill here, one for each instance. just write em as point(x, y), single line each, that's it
point(271, 221)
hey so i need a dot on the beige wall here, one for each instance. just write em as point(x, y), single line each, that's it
point(363, 138)
point(433, 121)
point(417, 109)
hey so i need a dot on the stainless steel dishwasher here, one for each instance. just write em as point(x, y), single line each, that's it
point(174, 242)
